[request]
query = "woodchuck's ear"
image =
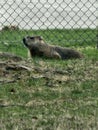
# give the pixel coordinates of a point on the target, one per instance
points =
(40, 37)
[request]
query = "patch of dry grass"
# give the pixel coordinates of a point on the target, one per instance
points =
(53, 95)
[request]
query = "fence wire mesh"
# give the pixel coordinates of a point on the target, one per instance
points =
(45, 94)
(41, 14)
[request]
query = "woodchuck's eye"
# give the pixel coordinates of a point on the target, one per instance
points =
(32, 38)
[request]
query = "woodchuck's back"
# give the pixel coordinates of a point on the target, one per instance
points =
(68, 53)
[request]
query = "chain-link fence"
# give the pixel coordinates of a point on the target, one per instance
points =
(41, 14)
(77, 20)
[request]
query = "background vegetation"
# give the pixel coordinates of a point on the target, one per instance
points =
(56, 94)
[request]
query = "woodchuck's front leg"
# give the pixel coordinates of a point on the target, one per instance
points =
(56, 55)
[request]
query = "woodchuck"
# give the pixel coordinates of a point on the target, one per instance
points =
(38, 47)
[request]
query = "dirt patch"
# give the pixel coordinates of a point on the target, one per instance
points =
(14, 68)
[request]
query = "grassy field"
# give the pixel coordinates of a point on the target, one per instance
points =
(55, 94)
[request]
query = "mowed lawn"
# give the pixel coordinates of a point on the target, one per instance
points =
(55, 94)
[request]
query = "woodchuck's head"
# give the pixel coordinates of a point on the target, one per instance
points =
(29, 41)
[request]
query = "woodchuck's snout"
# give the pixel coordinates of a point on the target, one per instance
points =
(24, 41)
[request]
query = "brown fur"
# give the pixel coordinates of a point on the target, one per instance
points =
(38, 47)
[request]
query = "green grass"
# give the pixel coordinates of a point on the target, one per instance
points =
(74, 38)
(66, 100)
